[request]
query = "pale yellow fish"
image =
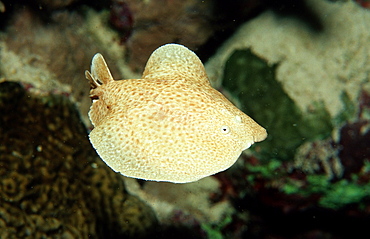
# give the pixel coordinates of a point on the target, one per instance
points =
(171, 125)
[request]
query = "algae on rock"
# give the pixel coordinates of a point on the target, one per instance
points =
(311, 66)
(254, 83)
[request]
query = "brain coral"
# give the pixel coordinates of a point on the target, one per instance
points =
(52, 184)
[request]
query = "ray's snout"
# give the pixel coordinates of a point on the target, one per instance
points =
(260, 135)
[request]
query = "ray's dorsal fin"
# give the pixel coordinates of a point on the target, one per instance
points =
(100, 73)
(172, 61)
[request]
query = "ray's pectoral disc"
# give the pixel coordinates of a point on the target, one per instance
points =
(171, 125)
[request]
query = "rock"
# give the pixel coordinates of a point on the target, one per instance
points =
(53, 57)
(156, 23)
(55, 4)
(310, 88)
(309, 62)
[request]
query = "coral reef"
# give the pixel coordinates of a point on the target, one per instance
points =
(309, 62)
(122, 19)
(319, 155)
(188, 200)
(309, 87)
(2, 7)
(29, 47)
(55, 4)
(269, 103)
(50, 58)
(184, 22)
(300, 69)
(286, 87)
(54, 56)
(51, 181)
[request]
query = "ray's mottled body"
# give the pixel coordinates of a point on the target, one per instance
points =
(171, 125)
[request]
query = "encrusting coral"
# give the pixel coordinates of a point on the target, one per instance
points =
(52, 184)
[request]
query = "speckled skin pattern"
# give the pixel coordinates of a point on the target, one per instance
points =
(171, 125)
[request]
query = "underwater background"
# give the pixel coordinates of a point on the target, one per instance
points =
(301, 69)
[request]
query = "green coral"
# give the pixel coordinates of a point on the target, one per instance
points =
(366, 168)
(315, 184)
(214, 231)
(348, 112)
(333, 195)
(253, 81)
(267, 170)
(343, 193)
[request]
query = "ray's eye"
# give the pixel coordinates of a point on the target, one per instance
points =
(225, 129)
